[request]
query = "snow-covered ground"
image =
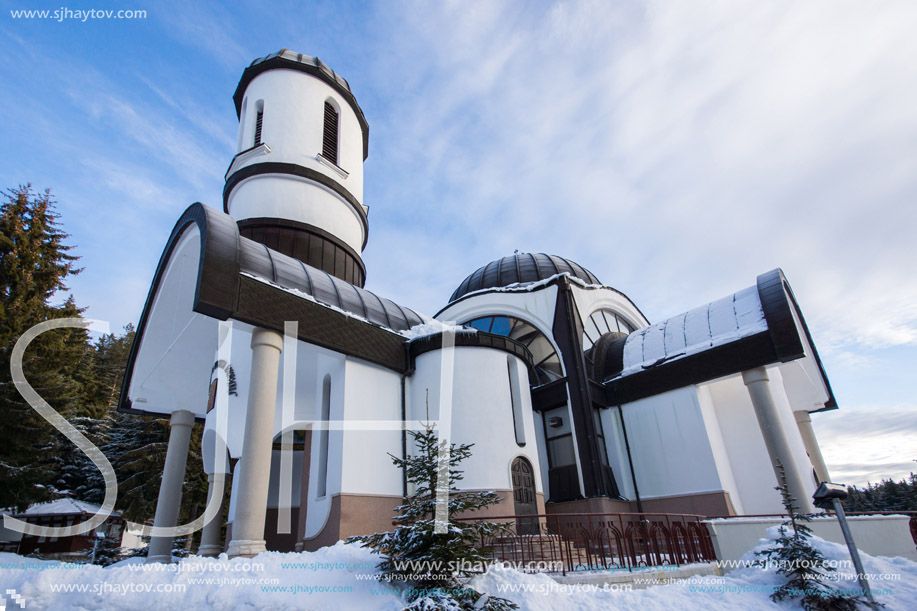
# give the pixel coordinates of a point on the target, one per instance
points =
(341, 577)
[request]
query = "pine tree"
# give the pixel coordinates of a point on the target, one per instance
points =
(433, 568)
(887, 495)
(95, 417)
(803, 565)
(106, 551)
(35, 264)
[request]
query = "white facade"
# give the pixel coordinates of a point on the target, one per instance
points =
(291, 107)
(566, 391)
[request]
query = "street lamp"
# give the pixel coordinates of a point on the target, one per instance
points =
(829, 496)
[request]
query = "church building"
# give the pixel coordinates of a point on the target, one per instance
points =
(257, 325)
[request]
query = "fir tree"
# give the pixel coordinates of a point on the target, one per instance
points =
(35, 264)
(887, 495)
(106, 551)
(802, 564)
(434, 568)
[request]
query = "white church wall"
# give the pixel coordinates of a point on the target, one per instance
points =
(298, 199)
(803, 387)
(293, 124)
(617, 452)
(718, 446)
(482, 413)
(332, 365)
(173, 370)
(589, 300)
(292, 128)
(371, 393)
(536, 307)
(541, 445)
(751, 466)
(669, 445)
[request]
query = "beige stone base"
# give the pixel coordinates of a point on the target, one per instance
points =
(356, 514)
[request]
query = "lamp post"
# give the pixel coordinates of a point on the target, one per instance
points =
(830, 496)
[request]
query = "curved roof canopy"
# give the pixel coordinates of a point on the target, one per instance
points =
(755, 327)
(229, 276)
(521, 268)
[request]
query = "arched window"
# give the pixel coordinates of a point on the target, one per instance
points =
(330, 134)
(601, 322)
(322, 486)
(547, 363)
(259, 121)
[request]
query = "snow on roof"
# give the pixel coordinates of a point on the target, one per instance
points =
(432, 327)
(524, 287)
(715, 324)
(64, 506)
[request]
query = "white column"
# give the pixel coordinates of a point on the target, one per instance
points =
(210, 536)
(173, 476)
(255, 463)
(804, 421)
(778, 447)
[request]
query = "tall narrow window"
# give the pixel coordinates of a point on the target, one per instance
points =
(330, 135)
(322, 487)
(259, 121)
(515, 393)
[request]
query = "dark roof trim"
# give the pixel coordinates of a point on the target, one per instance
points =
(747, 353)
(522, 289)
(289, 60)
(273, 223)
(467, 337)
(293, 169)
(782, 342)
(776, 299)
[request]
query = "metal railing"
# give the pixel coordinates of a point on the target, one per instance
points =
(568, 542)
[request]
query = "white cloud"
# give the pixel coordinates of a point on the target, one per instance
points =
(676, 149)
(868, 443)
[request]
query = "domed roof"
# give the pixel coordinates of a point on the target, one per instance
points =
(521, 268)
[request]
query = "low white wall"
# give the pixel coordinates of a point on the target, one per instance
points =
(875, 535)
(8, 535)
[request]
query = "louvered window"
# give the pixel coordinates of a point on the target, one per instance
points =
(259, 119)
(330, 135)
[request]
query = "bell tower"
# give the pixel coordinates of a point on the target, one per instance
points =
(296, 181)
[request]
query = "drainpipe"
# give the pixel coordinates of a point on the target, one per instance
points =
(408, 371)
(404, 438)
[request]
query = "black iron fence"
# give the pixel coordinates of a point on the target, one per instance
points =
(568, 542)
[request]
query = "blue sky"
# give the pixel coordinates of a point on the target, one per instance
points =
(677, 150)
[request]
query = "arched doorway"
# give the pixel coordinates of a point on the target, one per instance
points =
(524, 503)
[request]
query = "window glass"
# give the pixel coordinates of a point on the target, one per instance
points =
(547, 362)
(481, 324)
(560, 452)
(501, 326)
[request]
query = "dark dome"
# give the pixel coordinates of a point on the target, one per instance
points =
(521, 268)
